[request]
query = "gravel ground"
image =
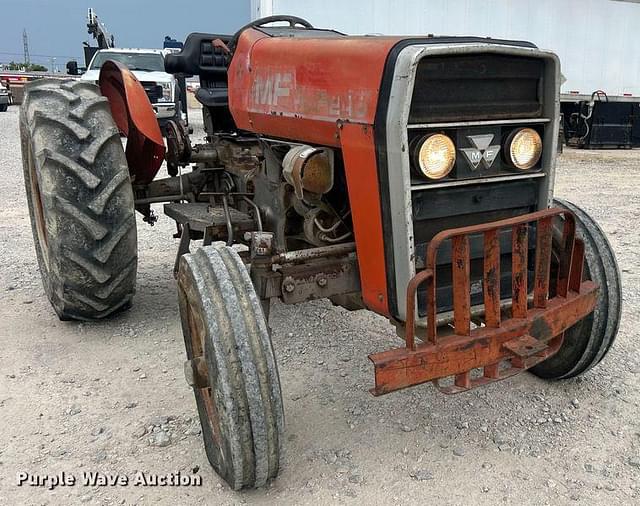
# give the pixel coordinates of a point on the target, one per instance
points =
(111, 397)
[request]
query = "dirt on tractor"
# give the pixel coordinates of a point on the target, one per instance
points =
(110, 396)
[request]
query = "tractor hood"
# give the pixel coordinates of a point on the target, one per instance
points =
(304, 84)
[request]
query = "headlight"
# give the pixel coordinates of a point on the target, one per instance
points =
(435, 156)
(523, 148)
(167, 92)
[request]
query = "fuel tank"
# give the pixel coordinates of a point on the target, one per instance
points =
(302, 85)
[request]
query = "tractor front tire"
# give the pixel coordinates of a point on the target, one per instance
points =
(588, 341)
(80, 199)
(231, 367)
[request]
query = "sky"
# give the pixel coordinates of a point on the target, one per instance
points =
(57, 28)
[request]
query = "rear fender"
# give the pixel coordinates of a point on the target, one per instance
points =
(135, 118)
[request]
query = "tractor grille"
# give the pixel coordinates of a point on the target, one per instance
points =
(473, 88)
(434, 210)
(476, 87)
(153, 91)
(477, 98)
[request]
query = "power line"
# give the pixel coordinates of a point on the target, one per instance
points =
(40, 55)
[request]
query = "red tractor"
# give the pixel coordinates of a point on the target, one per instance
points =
(409, 176)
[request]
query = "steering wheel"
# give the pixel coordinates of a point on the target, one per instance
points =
(292, 20)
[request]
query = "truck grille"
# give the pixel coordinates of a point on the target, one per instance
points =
(476, 87)
(153, 91)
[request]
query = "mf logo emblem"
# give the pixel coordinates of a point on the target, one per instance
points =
(482, 151)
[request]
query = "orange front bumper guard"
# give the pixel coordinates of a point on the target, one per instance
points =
(500, 348)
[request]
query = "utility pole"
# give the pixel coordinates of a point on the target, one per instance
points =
(25, 42)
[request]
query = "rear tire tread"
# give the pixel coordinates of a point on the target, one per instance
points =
(68, 129)
(74, 168)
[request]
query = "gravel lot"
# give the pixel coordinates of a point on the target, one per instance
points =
(111, 397)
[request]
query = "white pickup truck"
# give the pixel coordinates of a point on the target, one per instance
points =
(5, 98)
(148, 67)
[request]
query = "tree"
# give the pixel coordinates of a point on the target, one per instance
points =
(31, 67)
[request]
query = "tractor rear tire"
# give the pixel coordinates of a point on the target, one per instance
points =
(588, 341)
(80, 199)
(230, 355)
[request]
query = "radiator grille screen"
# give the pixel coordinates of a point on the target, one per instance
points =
(476, 87)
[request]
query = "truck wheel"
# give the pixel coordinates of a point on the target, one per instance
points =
(4, 107)
(80, 199)
(588, 341)
(231, 367)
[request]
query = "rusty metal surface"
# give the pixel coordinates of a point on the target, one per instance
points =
(520, 241)
(260, 244)
(525, 346)
(401, 368)
(461, 282)
(315, 280)
(243, 159)
(135, 118)
(499, 347)
(544, 242)
(305, 255)
(491, 285)
(318, 278)
(577, 266)
(436, 242)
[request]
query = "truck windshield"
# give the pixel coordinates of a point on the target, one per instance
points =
(135, 61)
